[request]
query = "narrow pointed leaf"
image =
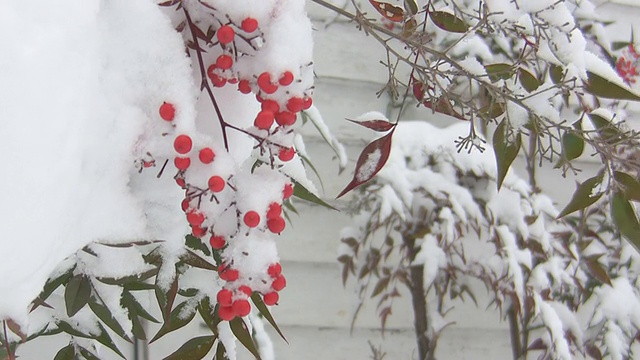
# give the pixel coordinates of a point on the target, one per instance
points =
(499, 71)
(66, 353)
(301, 192)
(411, 6)
(104, 314)
(53, 284)
(448, 22)
(630, 185)
(505, 149)
(180, 316)
(130, 303)
(606, 129)
(239, 329)
(194, 260)
(166, 297)
(599, 86)
(88, 355)
(194, 349)
(596, 270)
(625, 219)
(77, 293)
(586, 194)
(221, 352)
(371, 160)
(264, 310)
(527, 80)
(194, 243)
(106, 340)
(208, 314)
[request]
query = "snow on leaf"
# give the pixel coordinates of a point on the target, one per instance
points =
(505, 150)
(371, 160)
(584, 195)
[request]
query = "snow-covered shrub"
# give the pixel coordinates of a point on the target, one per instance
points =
(433, 220)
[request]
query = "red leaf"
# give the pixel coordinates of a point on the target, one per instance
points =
(376, 125)
(371, 160)
(393, 13)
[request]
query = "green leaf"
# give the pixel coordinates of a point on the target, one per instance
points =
(241, 332)
(448, 22)
(625, 219)
(106, 340)
(66, 353)
(129, 301)
(197, 244)
(556, 74)
(492, 111)
(606, 129)
(505, 150)
(87, 354)
(194, 349)
(528, 81)
(301, 192)
(166, 298)
(604, 88)
(194, 260)
(411, 7)
(77, 293)
(583, 196)
(629, 185)
(264, 310)
(572, 145)
(221, 352)
(137, 278)
(104, 314)
(180, 317)
(499, 71)
(53, 284)
(208, 314)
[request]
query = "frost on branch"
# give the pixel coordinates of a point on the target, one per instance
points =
(432, 220)
(158, 156)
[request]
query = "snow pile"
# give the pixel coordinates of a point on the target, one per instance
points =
(80, 90)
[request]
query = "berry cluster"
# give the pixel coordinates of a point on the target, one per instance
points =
(236, 209)
(628, 64)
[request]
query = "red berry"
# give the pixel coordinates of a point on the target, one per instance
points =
(225, 34)
(180, 181)
(285, 118)
(307, 103)
(249, 25)
(270, 105)
(224, 62)
(198, 231)
(251, 219)
(195, 218)
(244, 86)
(217, 81)
(182, 144)
(246, 290)
(217, 242)
(264, 120)
(286, 154)
(274, 210)
(211, 71)
(264, 82)
(182, 163)
(274, 270)
(276, 225)
(233, 81)
(259, 98)
(206, 155)
(216, 183)
(167, 111)
(279, 283)
(224, 297)
(295, 104)
(227, 274)
(226, 313)
(287, 192)
(271, 298)
(286, 78)
(241, 307)
(186, 203)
